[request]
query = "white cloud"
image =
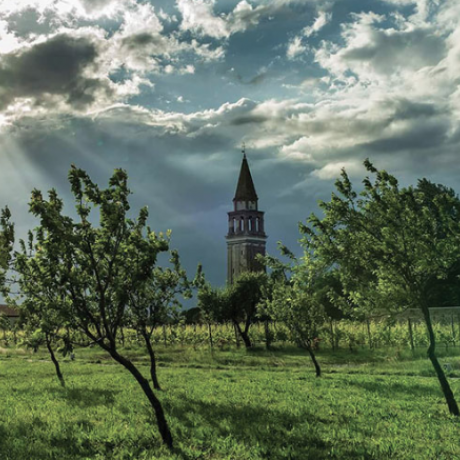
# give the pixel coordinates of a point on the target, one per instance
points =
(8, 40)
(373, 52)
(198, 16)
(65, 11)
(323, 18)
(353, 168)
(295, 48)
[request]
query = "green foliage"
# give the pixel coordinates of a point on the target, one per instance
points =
(5, 324)
(390, 243)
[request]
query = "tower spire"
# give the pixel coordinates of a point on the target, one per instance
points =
(245, 190)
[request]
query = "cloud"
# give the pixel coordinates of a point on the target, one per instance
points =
(322, 19)
(199, 17)
(57, 67)
(371, 51)
(295, 48)
(332, 170)
(64, 11)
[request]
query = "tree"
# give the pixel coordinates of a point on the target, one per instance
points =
(237, 303)
(85, 265)
(38, 302)
(295, 296)
(390, 245)
(151, 301)
(243, 298)
(211, 302)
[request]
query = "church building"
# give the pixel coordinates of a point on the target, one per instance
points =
(246, 235)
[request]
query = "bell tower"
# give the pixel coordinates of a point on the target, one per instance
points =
(246, 235)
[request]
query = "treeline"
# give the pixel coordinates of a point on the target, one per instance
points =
(86, 280)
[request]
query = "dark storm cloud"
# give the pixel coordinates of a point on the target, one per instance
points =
(421, 136)
(54, 67)
(157, 44)
(387, 49)
(245, 120)
(142, 39)
(406, 110)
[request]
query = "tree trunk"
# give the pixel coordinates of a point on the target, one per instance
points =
(55, 361)
(450, 399)
(411, 335)
(268, 338)
(237, 335)
(313, 358)
(244, 335)
(369, 336)
(210, 335)
(153, 362)
(154, 401)
(331, 325)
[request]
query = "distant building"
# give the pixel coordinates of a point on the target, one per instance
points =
(246, 234)
(11, 313)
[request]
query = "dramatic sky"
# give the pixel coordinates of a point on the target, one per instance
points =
(169, 90)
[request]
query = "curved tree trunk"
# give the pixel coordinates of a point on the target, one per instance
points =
(313, 358)
(55, 361)
(447, 391)
(154, 401)
(244, 335)
(153, 363)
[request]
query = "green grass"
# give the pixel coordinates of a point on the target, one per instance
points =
(232, 405)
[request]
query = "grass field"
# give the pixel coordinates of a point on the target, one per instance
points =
(232, 405)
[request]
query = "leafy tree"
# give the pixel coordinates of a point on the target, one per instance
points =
(151, 301)
(211, 303)
(39, 302)
(241, 301)
(390, 244)
(237, 303)
(296, 295)
(85, 265)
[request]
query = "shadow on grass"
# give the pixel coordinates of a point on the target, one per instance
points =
(261, 432)
(86, 397)
(388, 389)
(80, 397)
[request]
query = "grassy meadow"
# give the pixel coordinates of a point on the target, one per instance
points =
(231, 404)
